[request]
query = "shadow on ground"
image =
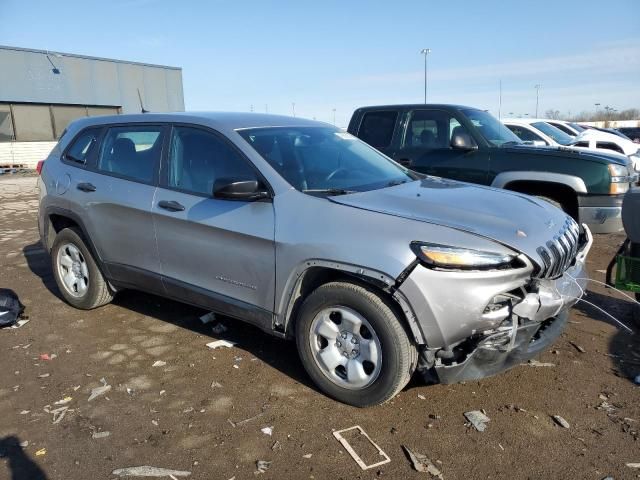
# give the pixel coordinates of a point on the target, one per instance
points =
(624, 347)
(21, 467)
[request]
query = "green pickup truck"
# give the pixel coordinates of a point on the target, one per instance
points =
(471, 145)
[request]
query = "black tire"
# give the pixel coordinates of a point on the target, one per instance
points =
(398, 353)
(553, 202)
(98, 292)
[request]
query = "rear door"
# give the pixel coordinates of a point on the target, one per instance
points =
(426, 148)
(115, 195)
(216, 253)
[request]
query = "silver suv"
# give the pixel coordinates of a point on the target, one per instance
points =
(310, 234)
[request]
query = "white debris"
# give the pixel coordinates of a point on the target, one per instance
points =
(20, 323)
(208, 317)
(64, 401)
(96, 392)
(215, 384)
(633, 465)
(97, 435)
(220, 343)
(308, 455)
(561, 421)
(262, 466)
(267, 430)
(478, 419)
(24, 444)
(219, 329)
(147, 471)
(159, 363)
(421, 397)
(535, 363)
(422, 464)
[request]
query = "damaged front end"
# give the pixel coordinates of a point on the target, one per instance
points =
(506, 319)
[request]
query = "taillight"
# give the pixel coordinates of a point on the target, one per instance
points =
(39, 166)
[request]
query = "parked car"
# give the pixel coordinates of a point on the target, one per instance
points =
(602, 140)
(310, 234)
(538, 132)
(632, 133)
(468, 144)
(570, 128)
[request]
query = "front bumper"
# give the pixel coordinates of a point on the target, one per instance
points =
(467, 337)
(602, 213)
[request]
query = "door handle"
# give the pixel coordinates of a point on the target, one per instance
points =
(171, 205)
(86, 187)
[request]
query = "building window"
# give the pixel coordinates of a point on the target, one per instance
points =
(63, 116)
(32, 123)
(6, 125)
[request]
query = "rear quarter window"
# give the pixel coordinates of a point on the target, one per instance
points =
(82, 147)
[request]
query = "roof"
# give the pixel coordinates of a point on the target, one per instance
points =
(225, 120)
(447, 106)
(85, 57)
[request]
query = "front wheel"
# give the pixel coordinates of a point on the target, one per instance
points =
(353, 345)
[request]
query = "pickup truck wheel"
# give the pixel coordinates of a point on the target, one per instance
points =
(78, 277)
(352, 344)
(553, 202)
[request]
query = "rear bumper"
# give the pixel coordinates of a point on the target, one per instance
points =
(602, 213)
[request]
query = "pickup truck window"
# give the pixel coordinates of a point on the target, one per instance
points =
(490, 128)
(377, 128)
(430, 129)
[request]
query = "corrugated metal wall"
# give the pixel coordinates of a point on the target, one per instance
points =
(28, 76)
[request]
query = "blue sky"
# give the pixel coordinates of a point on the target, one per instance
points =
(327, 55)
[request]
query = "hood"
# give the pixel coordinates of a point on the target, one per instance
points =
(568, 152)
(518, 221)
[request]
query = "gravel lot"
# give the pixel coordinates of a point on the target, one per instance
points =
(187, 413)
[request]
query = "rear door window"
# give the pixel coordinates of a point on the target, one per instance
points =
(377, 128)
(132, 152)
(609, 146)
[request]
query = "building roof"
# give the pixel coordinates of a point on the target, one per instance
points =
(85, 57)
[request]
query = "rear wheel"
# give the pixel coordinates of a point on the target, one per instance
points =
(353, 345)
(76, 273)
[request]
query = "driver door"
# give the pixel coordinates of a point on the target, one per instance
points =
(426, 148)
(219, 254)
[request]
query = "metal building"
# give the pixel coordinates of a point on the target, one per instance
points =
(41, 92)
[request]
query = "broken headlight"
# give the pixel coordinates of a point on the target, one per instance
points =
(444, 256)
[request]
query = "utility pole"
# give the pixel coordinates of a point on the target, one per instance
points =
(425, 52)
(334, 117)
(537, 87)
(266, 108)
(293, 108)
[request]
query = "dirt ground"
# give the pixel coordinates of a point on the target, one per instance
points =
(203, 410)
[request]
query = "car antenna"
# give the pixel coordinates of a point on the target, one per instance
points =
(141, 104)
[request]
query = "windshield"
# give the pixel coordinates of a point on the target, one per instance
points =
(324, 159)
(577, 127)
(558, 135)
(491, 129)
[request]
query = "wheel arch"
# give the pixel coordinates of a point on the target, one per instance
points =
(314, 273)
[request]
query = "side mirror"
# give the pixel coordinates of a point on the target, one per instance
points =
(463, 141)
(247, 190)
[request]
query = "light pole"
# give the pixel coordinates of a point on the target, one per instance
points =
(334, 117)
(537, 87)
(425, 52)
(293, 108)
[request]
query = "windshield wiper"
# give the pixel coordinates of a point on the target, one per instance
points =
(329, 191)
(393, 183)
(511, 142)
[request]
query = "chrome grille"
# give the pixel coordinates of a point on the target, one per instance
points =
(559, 253)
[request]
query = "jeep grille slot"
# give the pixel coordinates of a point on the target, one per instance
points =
(560, 252)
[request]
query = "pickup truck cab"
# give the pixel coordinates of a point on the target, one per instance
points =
(470, 145)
